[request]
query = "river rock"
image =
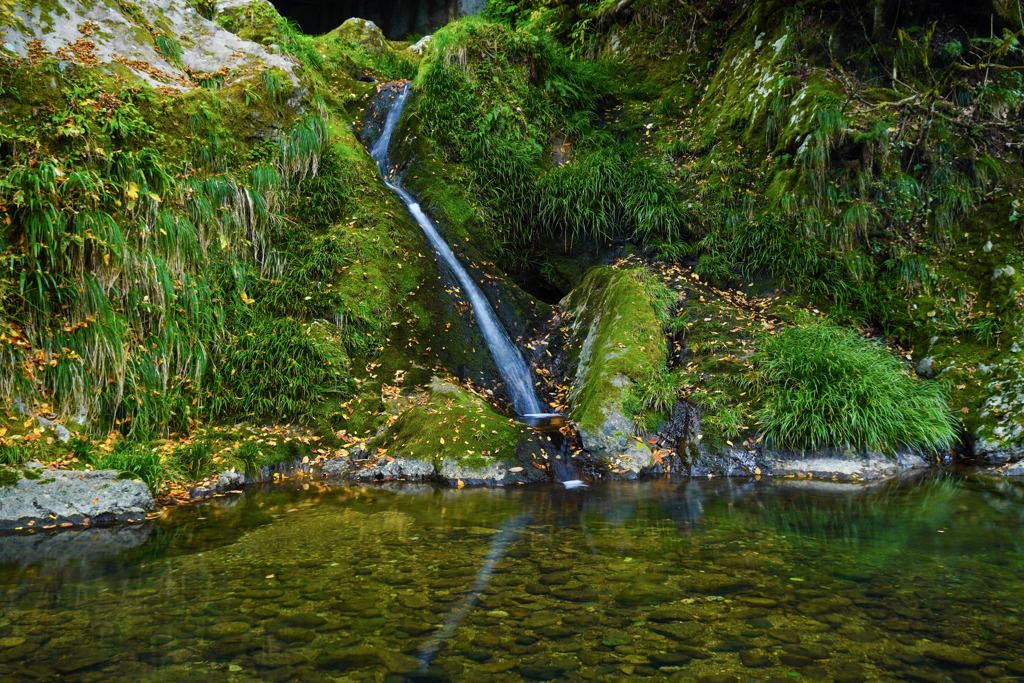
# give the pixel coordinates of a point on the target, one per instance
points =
(754, 658)
(277, 660)
(714, 584)
(809, 650)
(660, 659)
(43, 497)
(786, 635)
(645, 594)
(956, 656)
(396, 468)
(681, 631)
(355, 657)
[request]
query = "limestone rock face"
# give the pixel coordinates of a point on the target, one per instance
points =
(107, 34)
(41, 497)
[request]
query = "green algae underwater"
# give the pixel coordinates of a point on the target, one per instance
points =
(699, 580)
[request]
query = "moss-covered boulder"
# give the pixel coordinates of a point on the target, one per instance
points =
(451, 436)
(616, 340)
(362, 32)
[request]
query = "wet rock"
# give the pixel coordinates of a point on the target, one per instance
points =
(924, 675)
(398, 663)
(396, 469)
(672, 613)
(954, 656)
(486, 642)
(477, 655)
(303, 620)
(714, 584)
(757, 601)
(356, 657)
(849, 672)
(292, 634)
(546, 668)
(645, 594)
(809, 650)
(225, 629)
(754, 659)
(541, 619)
(681, 631)
(277, 660)
(227, 648)
(785, 635)
(660, 659)
(616, 639)
(582, 594)
(732, 644)
(556, 579)
(789, 659)
(415, 628)
(80, 660)
(554, 632)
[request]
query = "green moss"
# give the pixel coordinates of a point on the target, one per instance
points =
(452, 424)
(616, 336)
(9, 476)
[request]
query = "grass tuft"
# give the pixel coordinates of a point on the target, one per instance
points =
(827, 386)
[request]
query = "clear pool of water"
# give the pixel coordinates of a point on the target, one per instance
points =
(706, 580)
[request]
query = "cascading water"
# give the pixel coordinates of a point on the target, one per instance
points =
(506, 356)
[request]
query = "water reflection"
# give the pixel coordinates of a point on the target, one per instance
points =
(667, 580)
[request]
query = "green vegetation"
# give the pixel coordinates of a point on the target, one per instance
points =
(827, 386)
(614, 339)
(513, 109)
(450, 423)
(173, 261)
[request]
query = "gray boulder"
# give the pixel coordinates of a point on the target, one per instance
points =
(397, 468)
(36, 497)
(840, 464)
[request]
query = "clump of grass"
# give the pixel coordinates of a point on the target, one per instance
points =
(137, 460)
(273, 369)
(824, 385)
(252, 458)
(11, 454)
(169, 48)
(193, 459)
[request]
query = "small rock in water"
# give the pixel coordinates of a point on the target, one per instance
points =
(956, 656)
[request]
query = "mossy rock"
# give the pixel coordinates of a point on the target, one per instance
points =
(462, 437)
(364, 33)
(616, 340)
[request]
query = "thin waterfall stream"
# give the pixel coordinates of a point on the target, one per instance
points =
(507, 358)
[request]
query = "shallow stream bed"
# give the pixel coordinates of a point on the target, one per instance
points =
(708, 580)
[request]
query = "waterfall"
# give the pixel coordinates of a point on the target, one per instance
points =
(506, 356)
